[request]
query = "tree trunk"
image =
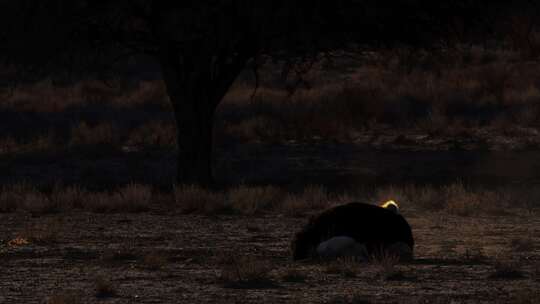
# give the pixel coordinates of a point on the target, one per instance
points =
(194, 114)
(196, 82)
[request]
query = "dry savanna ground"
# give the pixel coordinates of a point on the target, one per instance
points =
(137, 245)
(88, 214)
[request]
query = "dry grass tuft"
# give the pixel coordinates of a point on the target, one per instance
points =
(98, 202)
(68, 198)
(195, 199)
(456, 199)
(466, 202)
(346, 267)
(386, 263)
(426, 198)
(313, 198)
(252, 200)
(132, 198)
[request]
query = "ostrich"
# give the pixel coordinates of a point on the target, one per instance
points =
(355, 228)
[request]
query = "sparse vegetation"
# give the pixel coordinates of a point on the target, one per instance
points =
(452, 199)
(386, 262)
(194, 199)
(252, 200)
(312, 198)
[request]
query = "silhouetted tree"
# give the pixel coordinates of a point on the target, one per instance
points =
(203, 45)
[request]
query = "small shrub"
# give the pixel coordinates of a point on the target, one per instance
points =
(132, 198)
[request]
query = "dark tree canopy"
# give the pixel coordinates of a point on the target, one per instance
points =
(202, 45)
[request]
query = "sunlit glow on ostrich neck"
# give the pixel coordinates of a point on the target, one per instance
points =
(391, 205)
